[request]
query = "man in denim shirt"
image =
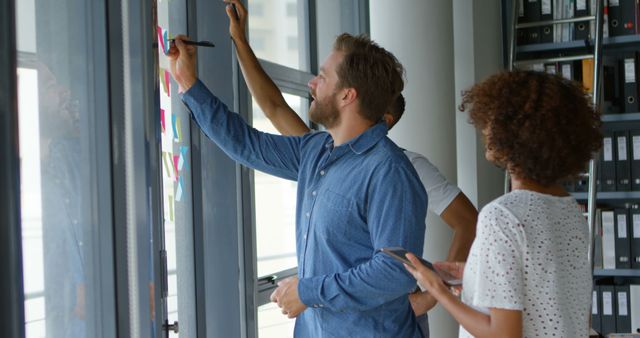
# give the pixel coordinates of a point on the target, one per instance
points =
(357, 191)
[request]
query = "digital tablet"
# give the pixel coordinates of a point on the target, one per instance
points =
(400, 255)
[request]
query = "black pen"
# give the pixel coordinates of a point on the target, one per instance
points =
(195, 43)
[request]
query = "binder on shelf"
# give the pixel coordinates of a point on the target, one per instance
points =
(622, 244)
(546, 14)
(597, 247)
(634, 302)
(587, 75)
(608, 240)
(582, 30)
(622, 17)
(623, 162)
(623, 319)
(550, 68)
(611, 92)
(567, 13)
(521, 34)
(567, 70)
(629, 76)
(635, 236)
(634, 140)
(532, 13)
(582, 183)
(607, 171)
(608, 316)
(596, 308)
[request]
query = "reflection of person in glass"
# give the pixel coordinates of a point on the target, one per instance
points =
(62, 205)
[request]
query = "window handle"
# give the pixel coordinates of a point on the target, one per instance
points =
(267, 280)
(171, 327)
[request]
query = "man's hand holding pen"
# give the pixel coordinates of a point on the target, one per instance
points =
(182, 60)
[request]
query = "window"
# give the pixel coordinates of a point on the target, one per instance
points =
(279, 26)
(63, 127)
(292, 9)
(175, 135)
(281, 38)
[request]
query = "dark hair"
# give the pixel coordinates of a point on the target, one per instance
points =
(374, 72)
(538, 126)
(397, 109)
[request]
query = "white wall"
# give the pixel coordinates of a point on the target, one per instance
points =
(445, 46)
(478, 54)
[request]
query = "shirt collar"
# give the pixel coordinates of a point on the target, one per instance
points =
(368, 139)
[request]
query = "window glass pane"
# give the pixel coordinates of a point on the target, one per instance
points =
(334, 17)
(272, 323)
(176, 179)
(67, 272)
(275, 203)
(277, 33)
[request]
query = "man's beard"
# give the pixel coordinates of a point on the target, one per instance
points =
(325, 112)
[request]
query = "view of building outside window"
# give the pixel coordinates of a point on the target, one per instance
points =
(276, 34)
(57, 108)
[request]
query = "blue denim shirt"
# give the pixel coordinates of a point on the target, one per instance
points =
(353, 199)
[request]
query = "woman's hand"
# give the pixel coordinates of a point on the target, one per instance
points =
(427, 279)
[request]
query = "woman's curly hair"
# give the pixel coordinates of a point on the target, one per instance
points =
(538, 126)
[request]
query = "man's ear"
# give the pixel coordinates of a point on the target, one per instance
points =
(348, 96)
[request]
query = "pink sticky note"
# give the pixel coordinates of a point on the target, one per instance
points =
(167, 83)
(162, 120)
(176, 159)
(160, 38)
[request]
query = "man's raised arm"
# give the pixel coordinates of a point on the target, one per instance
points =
(262, 88)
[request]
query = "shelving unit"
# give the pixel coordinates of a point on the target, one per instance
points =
(600, 49)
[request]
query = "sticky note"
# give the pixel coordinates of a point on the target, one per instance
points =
(176, 158)
(184, 150)
(179, 190)
(167, 169)
(167, 83)
(171, 208)
(162, 120)
(175, 121)
(160, 38)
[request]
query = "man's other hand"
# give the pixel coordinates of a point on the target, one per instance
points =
(286, 295)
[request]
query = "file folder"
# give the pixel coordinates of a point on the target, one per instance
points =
(608, 316)
(634, 295)
(635, 236)
(608, 240)
(567, 70)
(582, 28)
(622, 244)
(629, 76)
(611, 91)
(546, 14)
(623, 319)
(622, 17)
(623, 162)
(607, 171)
(597, 248)
(596, 309)
(634, 141)
(532, 13)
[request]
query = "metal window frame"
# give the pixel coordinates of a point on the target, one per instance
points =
(135, 166)
(11, 281)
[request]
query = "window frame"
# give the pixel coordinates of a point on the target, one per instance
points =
(11, 281)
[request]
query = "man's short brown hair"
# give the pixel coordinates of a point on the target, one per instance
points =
(374, 72)
(540, 127)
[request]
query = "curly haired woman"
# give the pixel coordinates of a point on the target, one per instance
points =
(527, 274)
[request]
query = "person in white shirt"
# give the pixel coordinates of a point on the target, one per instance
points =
(444, 198)
(527, 274)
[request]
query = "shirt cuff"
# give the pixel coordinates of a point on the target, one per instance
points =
(309, 291)
(196, 95)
